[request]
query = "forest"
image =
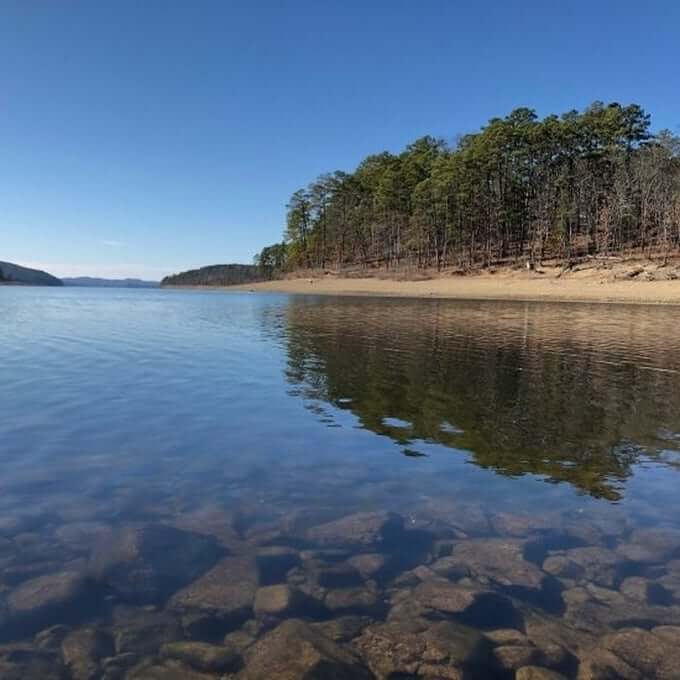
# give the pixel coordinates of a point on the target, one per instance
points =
(218, 275)
(522, 190)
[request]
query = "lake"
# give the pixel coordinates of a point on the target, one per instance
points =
(206, 484)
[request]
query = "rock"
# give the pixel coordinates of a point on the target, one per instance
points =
(295, 650)
(168, 670)
(443, 650)
(549, 633)
(51, 638)
(361, 600)
(644, 591)
(273, 563)
(45, 600)
(369, 565)
(325, 557)
(203, 656)
(651, 655)
(148, 564)
(513, 657)
(537, 673)
(501, 561)
(19, 661)
(670, 579)
(560, 566)
(116, 667)
(450, 567)
(446, 597)
(471, 518)
(601, 664)
(141, 632)
(595, 564)
(361, 530)
(507, 636)
(219, 600)
(343, 628)
(517, 525)
(474, 606)
(651, 545)
(83, 536)
(668, 633)
(83, 651)
(240, 639)
(278, 601)
(593, 608)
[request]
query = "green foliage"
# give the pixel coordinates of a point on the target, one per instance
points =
(218, 275)
(522, 188)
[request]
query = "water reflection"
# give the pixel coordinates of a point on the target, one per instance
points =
(574, 392)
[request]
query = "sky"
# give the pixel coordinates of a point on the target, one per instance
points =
(145, 138)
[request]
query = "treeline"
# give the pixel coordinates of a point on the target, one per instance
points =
(522, 189)
(218, 275)
(14, 273)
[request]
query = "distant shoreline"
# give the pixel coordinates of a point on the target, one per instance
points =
(590, 285)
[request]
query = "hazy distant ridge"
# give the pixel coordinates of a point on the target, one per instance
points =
(14, 273)
(219, 275)
(108, 283)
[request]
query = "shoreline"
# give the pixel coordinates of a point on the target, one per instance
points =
(585, 286)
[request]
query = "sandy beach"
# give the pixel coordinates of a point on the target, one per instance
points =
(653, 285)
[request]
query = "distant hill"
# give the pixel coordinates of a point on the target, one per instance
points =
(94, 282)
(13, 273)
(218, 275)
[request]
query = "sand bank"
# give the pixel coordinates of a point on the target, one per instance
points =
(590, 285)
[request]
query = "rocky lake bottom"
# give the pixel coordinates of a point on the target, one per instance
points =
(257, 487)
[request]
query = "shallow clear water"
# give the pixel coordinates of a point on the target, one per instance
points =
(548, 433)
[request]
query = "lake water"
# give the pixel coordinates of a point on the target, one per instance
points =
(436, 489)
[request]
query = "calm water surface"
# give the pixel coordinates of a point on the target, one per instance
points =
(168, 457)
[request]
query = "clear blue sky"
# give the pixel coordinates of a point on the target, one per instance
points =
(140, 138)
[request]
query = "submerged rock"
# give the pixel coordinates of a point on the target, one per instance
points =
(407, 649)
(601, 664)
(343, 628)
(203, 657)
(360, 530)
(52, 637)
(83, 651)
(595, 609)
(369, 565)
(513, 657)
(651, 545)
(360, 600)
(142, 632)
(537, 673)
(500, 561)
(470, 518)
(20, 661)
(296, 650)
(148, 564)
(652, 655)
(116, 667)
(83, 536)
(278, 601)
(595, 564)
(220, 599)
(45, 600)
(515, 524)
(167, 670)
